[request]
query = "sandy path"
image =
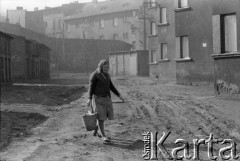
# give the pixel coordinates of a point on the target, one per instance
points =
(188, 112)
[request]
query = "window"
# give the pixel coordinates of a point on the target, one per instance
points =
(59, 24)
(84, 20)
(125, 4)
(101, 24)
(182, 46)
(182, 3)
(228, 33)
(54, 27)
(77, 25)
(163, 54)
(124, 18)
(134, 29)
(115, 36)
(134, 43)
(152, 54)
(115, 22)
(67, 28)
(101, 37)
(152, 3)
(91, 23)
(103, 8)
(125, 35)
(162, 15)
(153, 28)
(84, 35)
(134, 13)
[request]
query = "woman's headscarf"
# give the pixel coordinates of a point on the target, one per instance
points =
(101, 64)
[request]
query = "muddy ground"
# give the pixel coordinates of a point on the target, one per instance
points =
(189, 112)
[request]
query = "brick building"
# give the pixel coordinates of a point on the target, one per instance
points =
(226, 46)
(193, 31)
(180, 40)
(110, 20)
(161, 38)
(64, 52)
(17, 16)
(53, 18)
(38, 60)
(195, 41)
(22, 59)
(5, 58)
(47, 21)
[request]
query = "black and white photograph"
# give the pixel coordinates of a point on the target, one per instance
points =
(119, 80)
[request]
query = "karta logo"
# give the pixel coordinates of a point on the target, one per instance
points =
(153, 146)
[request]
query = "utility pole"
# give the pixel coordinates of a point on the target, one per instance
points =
(145, 4)
(144, 25)
(63, 44)
(144, 28)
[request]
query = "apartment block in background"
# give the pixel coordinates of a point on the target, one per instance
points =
(110, 20)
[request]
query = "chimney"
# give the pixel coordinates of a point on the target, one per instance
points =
(36, 9)
(19, 8)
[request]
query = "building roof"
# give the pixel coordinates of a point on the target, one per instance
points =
(105, 7)
(66, 9)
(5, 34)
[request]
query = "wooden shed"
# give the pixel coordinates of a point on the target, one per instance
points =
(129, 63)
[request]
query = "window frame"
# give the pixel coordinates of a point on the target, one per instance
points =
(115, 22)
(162, 55)
(152, 3)
(124, 18)
(91, 23)
(102, 23)
(223, 33)
(153, 30)
(161, 15)
(134, 45)
(115, 36)
(180, 3)
(180, 45)
(152, 56)
(77, 25)
(134, 13)
(101, 37)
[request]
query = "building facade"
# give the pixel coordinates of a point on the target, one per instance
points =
(5, 59)
(17, 16)
(38, 61)
(110, 20)
(196, 41)
(226, 46)
(180, 40)
(48, 21)
(22, 59)
(160, 24)
(193, 31)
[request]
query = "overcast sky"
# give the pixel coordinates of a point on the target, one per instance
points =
(31, 4)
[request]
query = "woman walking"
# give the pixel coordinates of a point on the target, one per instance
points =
(100, 85)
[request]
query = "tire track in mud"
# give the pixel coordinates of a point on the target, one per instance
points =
(192, 117)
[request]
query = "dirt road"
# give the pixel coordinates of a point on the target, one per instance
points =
(188, 112)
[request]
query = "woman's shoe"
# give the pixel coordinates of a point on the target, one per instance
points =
(105, 139)
(95, 133)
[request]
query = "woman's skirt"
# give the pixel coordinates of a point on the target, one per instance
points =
(103, 107)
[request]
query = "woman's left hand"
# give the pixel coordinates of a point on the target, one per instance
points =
(121, 98)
